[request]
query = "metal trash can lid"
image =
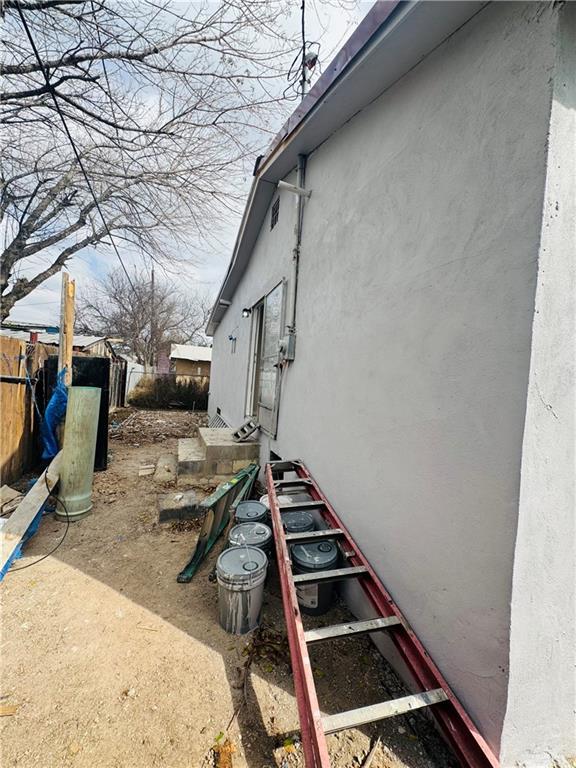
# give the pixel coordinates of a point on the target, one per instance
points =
(297, 522)
(316, 556)
(250, 512)
(241, 565)
(250, 534)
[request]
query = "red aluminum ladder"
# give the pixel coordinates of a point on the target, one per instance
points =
(458, 729)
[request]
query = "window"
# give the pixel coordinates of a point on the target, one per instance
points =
(275, 213)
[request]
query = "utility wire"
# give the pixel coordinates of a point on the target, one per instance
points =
(58, 500)
(52, 91)
(303, 29)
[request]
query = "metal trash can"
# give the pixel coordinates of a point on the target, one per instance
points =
(251, 535)
(240, 572)
(297, 522)
(314, 599)
(251, 512)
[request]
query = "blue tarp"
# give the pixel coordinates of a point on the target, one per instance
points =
(53, 415)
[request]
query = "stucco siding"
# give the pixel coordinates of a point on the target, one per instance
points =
(418, 271)
(270, 263)
(542, 691)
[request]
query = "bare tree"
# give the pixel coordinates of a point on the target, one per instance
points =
(147, 315)
(164, 101)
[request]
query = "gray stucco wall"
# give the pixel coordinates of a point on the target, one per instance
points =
(542, 690)
(270, 263)
(418, 271)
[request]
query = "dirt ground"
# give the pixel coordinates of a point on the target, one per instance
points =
(108, 662)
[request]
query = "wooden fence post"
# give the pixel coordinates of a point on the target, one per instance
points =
(66, 327)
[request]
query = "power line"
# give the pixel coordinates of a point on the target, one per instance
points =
(52, 91)
(303, 65)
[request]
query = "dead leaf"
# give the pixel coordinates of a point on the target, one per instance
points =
(223, 754)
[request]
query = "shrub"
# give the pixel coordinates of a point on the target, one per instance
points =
(171, 391)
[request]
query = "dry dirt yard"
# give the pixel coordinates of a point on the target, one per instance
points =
(108, 662)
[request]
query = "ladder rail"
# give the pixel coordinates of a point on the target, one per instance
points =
(459, 729)
(468, 744)
(313, 739)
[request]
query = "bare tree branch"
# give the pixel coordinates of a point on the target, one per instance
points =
(111, 310)
(165, 103)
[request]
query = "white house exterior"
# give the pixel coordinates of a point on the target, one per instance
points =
(431, 390)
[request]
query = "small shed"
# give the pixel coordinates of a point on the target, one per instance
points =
(191, 360)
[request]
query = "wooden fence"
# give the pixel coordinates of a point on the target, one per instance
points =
(19, 363)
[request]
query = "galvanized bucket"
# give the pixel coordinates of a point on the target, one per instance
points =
(297, 522)
(251, 535)
(251, 512)
(314, 599)
(240, 572)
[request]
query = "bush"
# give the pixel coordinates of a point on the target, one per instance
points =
(170, 391)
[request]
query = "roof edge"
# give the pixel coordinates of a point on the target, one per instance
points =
(411, 30)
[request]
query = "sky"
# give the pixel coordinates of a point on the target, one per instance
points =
(329, 21)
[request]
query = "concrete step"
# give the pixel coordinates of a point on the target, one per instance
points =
(220, 446)
(193, 458)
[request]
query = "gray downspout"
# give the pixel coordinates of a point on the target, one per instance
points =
(290, 350)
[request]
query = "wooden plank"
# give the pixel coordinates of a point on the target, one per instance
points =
(8, 499)
(19, 521)
(337, 574)
(356, 717)
(66, 327)
(351, 629)
(15, 411)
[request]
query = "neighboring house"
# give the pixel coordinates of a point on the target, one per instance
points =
(191, 360)
(424, 367)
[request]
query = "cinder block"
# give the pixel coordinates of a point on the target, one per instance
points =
(224, 467)
(238, 465)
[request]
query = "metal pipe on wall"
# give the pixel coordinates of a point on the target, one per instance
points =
(291, 326)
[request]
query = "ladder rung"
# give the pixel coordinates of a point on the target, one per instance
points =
(351, 629)
(356, 717)
(337, 574)
(284, 466)
(291, 483)
(311, 536)
(295, 506)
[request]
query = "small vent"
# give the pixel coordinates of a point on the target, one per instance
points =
(217, 422)
(275, 213)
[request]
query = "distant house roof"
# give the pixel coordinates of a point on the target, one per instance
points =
(190, 352)
(391, 39)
